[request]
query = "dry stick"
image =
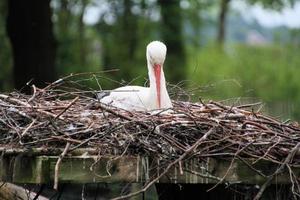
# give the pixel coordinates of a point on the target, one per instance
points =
(180, 168)
(68, 106)
(35, 107)
(113, 112)
(34, 93)
(268, 150)
(251, 167)
(203, 175)
(292, 177)
(14, 100)
(56, 172)
(26, 130)
(66, 139)
(78, 74)
(189, 150)
(84, 141)
(8, 98)
(286, 161)
(228, 169)
(249, 105)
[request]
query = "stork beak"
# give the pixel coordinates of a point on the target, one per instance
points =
(157, 74)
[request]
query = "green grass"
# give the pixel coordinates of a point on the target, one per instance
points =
(269, 73)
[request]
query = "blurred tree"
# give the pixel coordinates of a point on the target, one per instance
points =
(225, 5)
(78, 43)
(171, 31)
(129, 24)
(81, 32)
(196, 15)
(118, 27)
(65, 31)
(29, 28)
(191, 17)
(222, 21)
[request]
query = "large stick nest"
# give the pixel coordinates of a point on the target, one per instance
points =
(58, 114)
(53, 116)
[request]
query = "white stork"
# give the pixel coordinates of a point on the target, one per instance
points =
(145, 98)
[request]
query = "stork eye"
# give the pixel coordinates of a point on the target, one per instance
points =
(151, 58)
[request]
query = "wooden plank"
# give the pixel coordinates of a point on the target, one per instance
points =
(24, 169)
(92, 169)
(213, 170)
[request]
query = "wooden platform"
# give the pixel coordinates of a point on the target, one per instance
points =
(33, 167)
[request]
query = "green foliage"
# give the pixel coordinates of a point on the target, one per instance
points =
(270, 73)
(78, 45)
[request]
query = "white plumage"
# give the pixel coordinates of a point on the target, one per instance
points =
(145, 98)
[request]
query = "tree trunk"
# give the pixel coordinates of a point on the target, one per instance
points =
(29, 28)
(81, 32)
(129, 39)
(222, 21)
(171, 32)
(130, 29)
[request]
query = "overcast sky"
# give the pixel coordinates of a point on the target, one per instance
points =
(266, 17)
(270, 18)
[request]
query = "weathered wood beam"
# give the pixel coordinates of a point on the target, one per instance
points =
(92, 169)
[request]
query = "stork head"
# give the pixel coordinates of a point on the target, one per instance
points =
(156, 54)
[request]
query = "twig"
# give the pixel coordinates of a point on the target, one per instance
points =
(113, 112)
(249, 105)
(56, 172)
(251, 167)
(61, 80)
(28, 127)
(66, 139)
(39, 192)
(206, 175)
(230, 166)
(68, 106)
(180, 168)
(292, 177)
(33, 95)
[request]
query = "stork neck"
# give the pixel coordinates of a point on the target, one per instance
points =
(158, 92)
